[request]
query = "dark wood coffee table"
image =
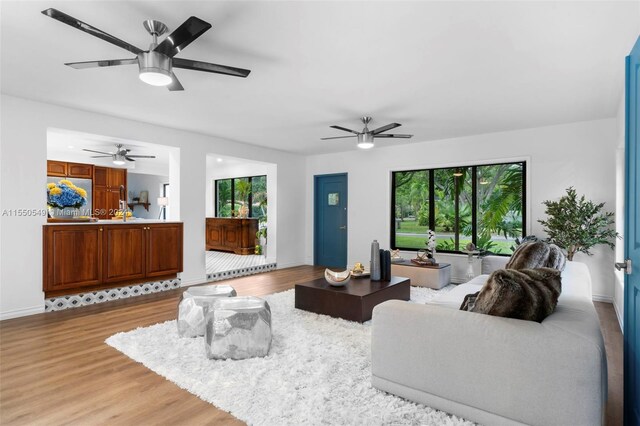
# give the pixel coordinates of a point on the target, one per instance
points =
(353, 302)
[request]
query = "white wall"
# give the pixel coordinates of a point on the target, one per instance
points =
(137, 182)
(579, 155)
(618, 290)
(23, 175)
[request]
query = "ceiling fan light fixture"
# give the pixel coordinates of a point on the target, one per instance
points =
(365, 141)
(119, 162)
(155, 68)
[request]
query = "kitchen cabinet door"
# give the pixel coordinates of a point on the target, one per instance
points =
(99, 176)
(100, 209)
(116, 177)
(124, 252)
(72, 257)
(79, 170)
(164, 249)
(56, 168)
(214, 235)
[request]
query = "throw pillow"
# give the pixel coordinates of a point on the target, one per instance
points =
(528, 294)
(537, 254)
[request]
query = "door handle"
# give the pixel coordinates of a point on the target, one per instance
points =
(626, 265)
(343, 227)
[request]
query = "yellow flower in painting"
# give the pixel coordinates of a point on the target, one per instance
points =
(51, 185)
(55, 191)
(67, 182)
(81, 192)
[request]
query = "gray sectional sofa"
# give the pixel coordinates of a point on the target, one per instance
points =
(493, 370)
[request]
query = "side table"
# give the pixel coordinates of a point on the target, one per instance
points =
(432, 276)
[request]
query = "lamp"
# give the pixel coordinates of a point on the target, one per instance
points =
(155, 68)
(457, 173)
(163, 202)
(365, 140)
(118, 160)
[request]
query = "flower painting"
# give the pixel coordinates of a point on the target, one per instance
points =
(65, 194)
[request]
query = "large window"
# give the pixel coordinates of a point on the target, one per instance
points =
(233, 193)
(483, 204)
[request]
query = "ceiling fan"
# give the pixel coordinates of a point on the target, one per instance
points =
(119, 156)
(156, 64)
(366, 136)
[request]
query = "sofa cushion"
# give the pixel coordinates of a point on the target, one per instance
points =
(528, 294)
(537, 254)
(453, 298)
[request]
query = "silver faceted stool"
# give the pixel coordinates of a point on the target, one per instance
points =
(193, 307)
(238, 328)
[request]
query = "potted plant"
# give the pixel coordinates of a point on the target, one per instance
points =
(64, 199)
(577, 224)
(243, 188)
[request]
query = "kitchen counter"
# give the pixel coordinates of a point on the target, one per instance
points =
(114, 222)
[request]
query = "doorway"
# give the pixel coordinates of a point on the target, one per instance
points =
(330, 220)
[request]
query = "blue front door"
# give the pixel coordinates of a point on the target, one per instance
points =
(330, 220)
(632, 243)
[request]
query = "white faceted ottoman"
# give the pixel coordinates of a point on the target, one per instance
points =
(193, 307)
(238, 328)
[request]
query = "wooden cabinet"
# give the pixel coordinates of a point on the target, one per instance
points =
(70, 170)
(116, 177)
(80, 258)
(72, 257)
(106, 190)
(230, 234)
(164, 249)
(56, 168)
(100, 176)
(124, 252)
(79, 170)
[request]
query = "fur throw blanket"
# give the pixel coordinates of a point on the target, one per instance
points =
(537, 254)
(527, 294)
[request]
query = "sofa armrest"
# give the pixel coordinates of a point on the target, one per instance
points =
(521, 370)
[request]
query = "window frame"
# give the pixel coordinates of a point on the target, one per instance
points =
(233, 192)
(474, 201)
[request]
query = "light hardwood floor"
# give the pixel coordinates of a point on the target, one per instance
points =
(56, 369)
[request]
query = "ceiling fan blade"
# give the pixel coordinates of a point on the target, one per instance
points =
(141, 156)
(385, 128)
(175, 84)
(337, 137)
(129, 159)
(83, 26)
(100, 156)
(99, 152)
(186, 33)
(190, 64)
(393, 136)
(345, 129)
(102, 63)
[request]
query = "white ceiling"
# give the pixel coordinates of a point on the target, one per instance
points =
(65, 145)
(442, 69)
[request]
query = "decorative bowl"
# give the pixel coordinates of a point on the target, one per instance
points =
(337, 279)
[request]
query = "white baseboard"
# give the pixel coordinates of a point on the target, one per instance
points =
(620, 319)
(601, 298)
(288, 265)
(193, 281)
(16, 313)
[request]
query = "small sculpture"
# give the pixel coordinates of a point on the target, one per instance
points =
(431, 245)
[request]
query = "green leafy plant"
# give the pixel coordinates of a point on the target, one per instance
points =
(577, 224)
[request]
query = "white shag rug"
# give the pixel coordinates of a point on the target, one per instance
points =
(318, 371)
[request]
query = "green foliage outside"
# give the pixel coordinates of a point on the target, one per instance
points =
(577, 224)
(499, 209)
